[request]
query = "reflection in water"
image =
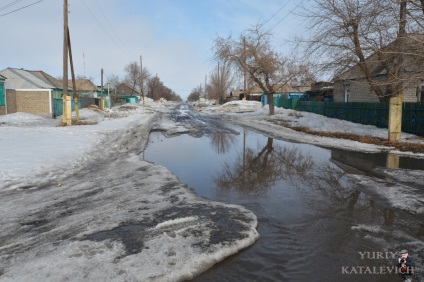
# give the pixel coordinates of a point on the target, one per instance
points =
(221, 141)
(364, 163)
(311, 217)
(392, 161)
(256, 170)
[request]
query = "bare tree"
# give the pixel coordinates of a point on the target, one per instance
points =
(252, 52)
(132, 74)
(114, 81)
(142, 81)
(220, 81)
(369, 34)
(154, 85)
(156, 90)
(196, 93)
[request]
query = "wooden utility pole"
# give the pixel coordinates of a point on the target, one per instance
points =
(74, 87)
(102, 101)
(206, 77)
(108, 94)
(142, 80)
(395, 106)
(67, 109)
(244, 68)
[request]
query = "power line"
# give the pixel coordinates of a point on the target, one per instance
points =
(105, 30)
(276, 13)
(10, 5)
(288, 14)
(111, 27)
(21, 8)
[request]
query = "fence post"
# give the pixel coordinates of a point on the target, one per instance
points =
(395, 118)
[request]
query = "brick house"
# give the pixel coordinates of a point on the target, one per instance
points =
(352, 85)
(30, 92)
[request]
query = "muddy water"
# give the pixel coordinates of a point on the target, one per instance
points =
(315, 224)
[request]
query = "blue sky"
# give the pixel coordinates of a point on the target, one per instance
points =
(174, 37)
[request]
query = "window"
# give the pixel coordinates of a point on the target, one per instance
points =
(346, 89)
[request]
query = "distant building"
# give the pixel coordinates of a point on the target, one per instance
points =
(125, 93)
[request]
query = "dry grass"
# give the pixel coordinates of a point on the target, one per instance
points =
(401, 146)
(79, 122)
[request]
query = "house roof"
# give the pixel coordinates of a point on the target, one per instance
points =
(413, 59)
(284, 88)
(47, 78)
(84, 85)
(25, 79)
(129, 87)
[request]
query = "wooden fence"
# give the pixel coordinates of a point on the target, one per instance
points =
(365, 113)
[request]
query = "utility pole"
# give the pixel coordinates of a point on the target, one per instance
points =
(83, 59)
(244, 68)
(74, 87)
(108, 94)
(142, 80)
(206, 77)
(395, 106)
(67, 109)
(102, 101)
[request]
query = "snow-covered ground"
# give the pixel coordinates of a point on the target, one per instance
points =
(55, 227)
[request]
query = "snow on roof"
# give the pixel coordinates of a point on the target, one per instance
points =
(24, 79)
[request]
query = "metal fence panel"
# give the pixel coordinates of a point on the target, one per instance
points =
(368, 113)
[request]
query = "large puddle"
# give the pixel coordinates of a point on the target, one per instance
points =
(314, 223)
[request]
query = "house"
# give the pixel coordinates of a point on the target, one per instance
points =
(321, 91)
(84, 88)
(352, 85)
(30, 92)
(235, 95)
(88, 93)
(283, 91)
(125, 93)
(2, 96)
(255, 93)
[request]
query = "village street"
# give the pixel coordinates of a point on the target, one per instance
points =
(113, 210)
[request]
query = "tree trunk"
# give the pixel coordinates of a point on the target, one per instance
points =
(271, 103)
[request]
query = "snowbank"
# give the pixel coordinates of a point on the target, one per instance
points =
(79, 203)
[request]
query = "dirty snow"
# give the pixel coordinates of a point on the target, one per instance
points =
(58, 223)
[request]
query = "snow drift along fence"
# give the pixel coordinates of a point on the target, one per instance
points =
(367, 113)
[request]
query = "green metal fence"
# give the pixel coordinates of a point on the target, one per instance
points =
(58, 107)
(2, 95)
(366, 113)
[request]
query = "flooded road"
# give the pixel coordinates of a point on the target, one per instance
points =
(316, 221)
